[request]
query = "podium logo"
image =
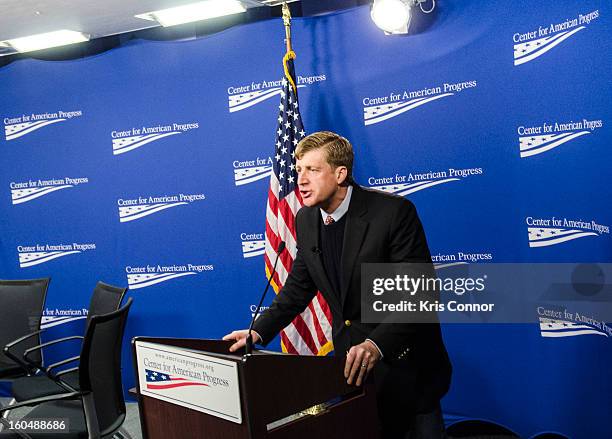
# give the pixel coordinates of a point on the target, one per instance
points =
(149, 275)
(39, 254)
(534, 141)
(402, 185)
(135, 137)
(443, 260)
(161, 381)
(136, 208)
(553, 231)
(533, 44)
(56, 317)
(249, 171)
(15, 127)
(242, 97)
(381, 108)
(253, 244)
(22, 192)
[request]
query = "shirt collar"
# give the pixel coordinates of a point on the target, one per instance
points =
(342, 209)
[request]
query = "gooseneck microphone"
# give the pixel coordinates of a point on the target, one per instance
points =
(248, 348)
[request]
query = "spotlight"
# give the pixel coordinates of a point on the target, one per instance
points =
(393, 16)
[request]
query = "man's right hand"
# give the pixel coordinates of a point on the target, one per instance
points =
(240, 338)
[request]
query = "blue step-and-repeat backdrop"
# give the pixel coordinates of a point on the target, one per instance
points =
(147, 166)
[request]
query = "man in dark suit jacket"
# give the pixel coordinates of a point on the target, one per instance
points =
(340, 227)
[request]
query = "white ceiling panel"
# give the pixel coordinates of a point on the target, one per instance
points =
(98, 18)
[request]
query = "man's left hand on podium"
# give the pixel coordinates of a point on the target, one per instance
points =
(240, 337)
(360, 360)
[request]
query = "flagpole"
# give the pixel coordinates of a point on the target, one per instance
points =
(290, 54)
(287, 22)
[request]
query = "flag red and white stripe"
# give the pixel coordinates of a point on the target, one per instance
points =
(310, 333)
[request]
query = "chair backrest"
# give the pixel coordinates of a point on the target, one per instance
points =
(105, 298)
(100, 367)
(21, 308)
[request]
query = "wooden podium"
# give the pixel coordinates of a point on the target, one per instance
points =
(273, 390)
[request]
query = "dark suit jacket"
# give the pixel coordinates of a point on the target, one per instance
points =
(415, 370)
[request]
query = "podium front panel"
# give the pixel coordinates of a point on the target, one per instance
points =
(189, 379)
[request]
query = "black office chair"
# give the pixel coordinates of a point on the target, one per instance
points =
(98, 408)
(21, 307)
(105, 298)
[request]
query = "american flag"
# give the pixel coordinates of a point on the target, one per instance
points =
(160, 381)
(310, 332)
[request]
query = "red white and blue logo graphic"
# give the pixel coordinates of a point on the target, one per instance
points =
(160, 381)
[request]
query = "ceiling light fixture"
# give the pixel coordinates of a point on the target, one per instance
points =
(47, 40)
(194, 12)
(394, 16)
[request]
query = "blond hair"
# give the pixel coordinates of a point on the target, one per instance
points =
(338, 150)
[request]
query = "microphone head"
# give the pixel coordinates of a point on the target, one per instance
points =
(281, 247)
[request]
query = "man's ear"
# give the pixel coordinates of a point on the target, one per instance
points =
(341, 174)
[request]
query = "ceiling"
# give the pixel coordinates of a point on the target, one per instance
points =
(19, 18)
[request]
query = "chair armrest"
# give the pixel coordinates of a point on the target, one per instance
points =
(27, 366)
(43, 399)
(21, 340)
(65, 371)
(49, 343)
(61, 363)
(57, 377)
